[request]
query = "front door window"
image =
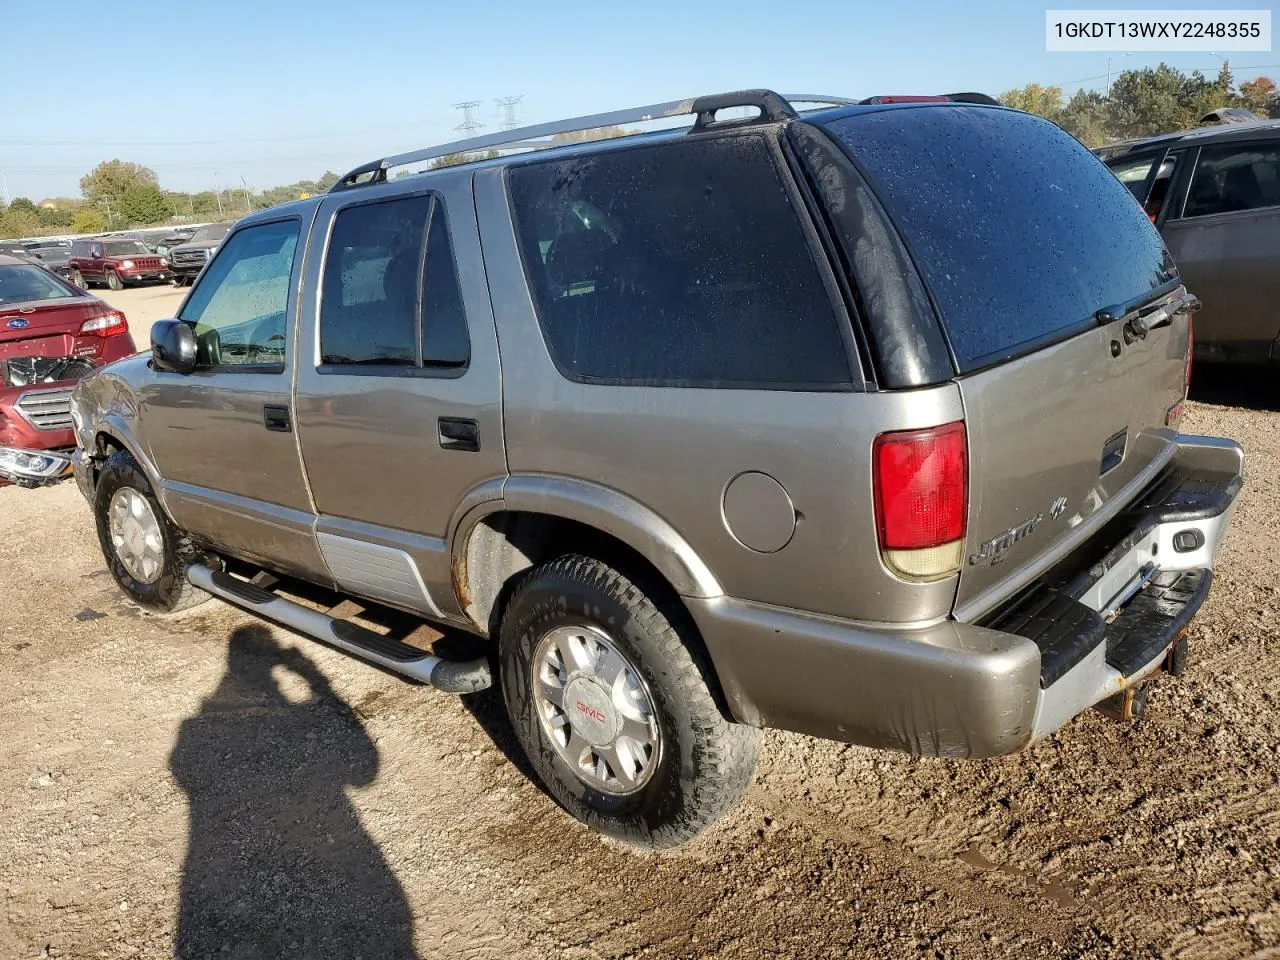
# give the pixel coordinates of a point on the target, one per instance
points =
(237, 309)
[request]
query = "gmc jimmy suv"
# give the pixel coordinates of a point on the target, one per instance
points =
(860, 422)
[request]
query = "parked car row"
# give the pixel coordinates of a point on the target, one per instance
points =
(119, 260)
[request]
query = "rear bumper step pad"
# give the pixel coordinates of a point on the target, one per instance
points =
(1062, 627)
(387, 652)
(1066, 630)
(1155, 617)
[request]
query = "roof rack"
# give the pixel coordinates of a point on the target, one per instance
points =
(955, 97)
(772, 107)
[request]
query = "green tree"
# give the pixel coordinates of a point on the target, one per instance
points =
(88, 220)
(145, 205)
(1086, 118)
(55, 216)
(19, 222)
(108, 182)
(1033, 98)
(22, 204)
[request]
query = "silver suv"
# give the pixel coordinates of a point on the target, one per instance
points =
(860, 422)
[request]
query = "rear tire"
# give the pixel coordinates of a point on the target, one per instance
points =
(114, 281)
(147, 555)
(77, 278)
(682, 777)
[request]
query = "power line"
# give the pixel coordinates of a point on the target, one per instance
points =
(508, 105)
(469, 125)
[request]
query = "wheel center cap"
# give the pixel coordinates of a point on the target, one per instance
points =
(591, 711)
(133, 536)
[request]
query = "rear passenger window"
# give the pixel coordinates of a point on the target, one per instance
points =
(1236, 177)
(390, 293)
(682, 264)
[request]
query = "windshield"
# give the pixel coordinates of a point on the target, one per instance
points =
(1021, 234)
(24, 284)
(125, 248)
(210, 234)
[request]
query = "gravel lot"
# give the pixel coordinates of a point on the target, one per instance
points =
(207, 785)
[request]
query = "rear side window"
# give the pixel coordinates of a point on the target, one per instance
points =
(1133, 174)
(1235, 177)
(680, 264)
(1021, 233)
(390, 296)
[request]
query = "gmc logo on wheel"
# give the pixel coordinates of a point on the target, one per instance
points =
(595, 715)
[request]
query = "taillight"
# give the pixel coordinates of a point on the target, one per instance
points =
(921, 482)
(107, 325)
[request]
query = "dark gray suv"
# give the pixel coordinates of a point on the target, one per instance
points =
(835, 421)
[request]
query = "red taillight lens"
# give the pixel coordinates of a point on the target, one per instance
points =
(921, 482)
(107, 325)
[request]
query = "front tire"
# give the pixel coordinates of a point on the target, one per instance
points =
(114, 281)
(611, 697)
(147, 555)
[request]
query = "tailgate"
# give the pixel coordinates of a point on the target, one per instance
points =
(1059, 441)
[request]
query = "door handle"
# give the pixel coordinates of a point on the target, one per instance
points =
(458, 433)
(275, 417)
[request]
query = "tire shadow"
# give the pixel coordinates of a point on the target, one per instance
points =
(1252, 387)
(278, 864)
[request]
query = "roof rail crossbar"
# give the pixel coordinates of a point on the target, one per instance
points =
(772, 107)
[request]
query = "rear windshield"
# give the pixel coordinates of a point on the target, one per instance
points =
(125, 248)
(23, 284)
(1020, 232)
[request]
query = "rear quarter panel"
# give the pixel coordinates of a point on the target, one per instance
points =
(674, 450)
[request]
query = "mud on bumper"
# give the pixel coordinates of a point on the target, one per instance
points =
(1102, 622)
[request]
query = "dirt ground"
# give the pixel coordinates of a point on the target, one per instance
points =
(207, 786)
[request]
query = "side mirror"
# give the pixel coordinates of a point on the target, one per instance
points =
(96, 253)
(173, 346)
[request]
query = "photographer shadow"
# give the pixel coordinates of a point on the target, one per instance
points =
(278, 863)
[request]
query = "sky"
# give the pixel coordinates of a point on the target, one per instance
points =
(267, 92)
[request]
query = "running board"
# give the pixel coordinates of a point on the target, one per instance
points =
(451, 676)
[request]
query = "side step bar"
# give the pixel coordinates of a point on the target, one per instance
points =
(451, 676)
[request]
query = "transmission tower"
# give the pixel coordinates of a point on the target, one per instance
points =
(469, 124)
(508, 105)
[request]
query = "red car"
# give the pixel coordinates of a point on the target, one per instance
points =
(51, 334)
(116, 263)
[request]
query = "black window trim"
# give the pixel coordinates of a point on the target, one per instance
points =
(422, 369)
(1194, 165)
(290, 306)
(813, 241)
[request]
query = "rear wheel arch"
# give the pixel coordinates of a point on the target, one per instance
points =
(587, 510)
(503, 546)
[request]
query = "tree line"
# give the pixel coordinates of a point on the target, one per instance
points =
(1146, 102)
(120, 195)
